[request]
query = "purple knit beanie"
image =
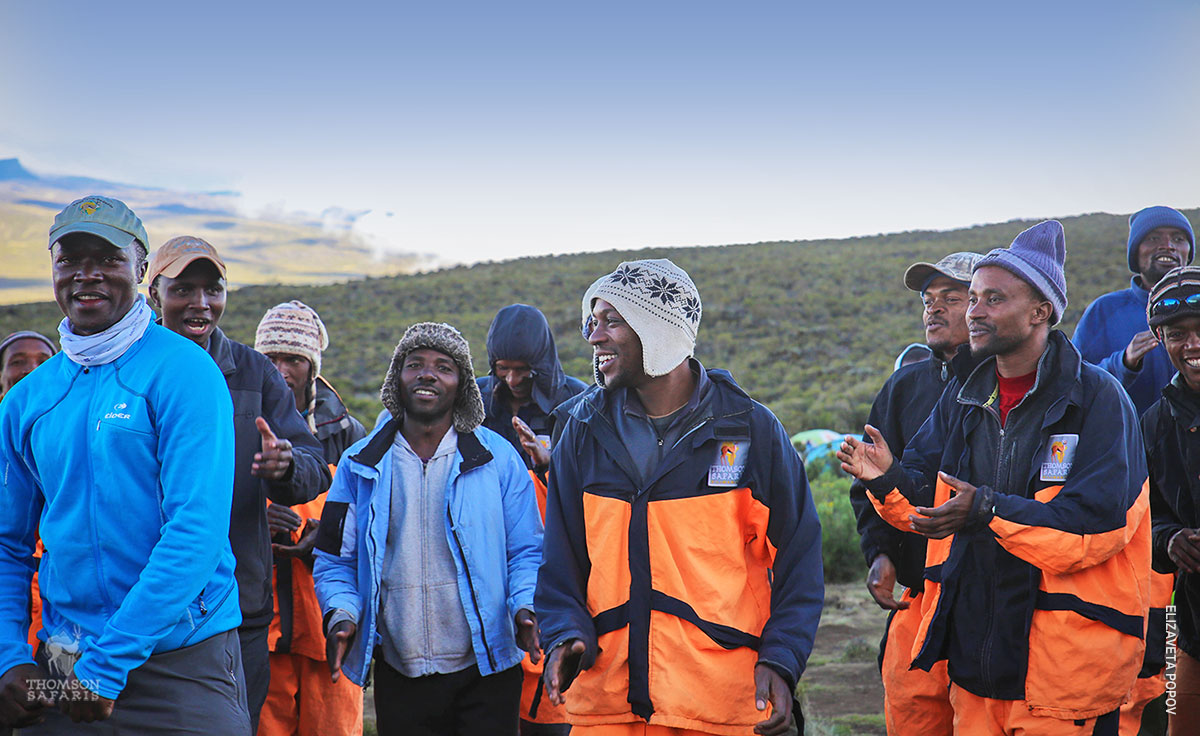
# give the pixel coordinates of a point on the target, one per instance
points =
(1037, 256)
(1143, 221)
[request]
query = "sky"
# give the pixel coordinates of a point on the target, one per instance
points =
(493, 130)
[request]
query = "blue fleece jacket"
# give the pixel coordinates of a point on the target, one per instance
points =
(1104, 331)
(126, 471)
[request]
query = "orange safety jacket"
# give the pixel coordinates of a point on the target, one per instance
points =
(1050, 577)
(679, 587)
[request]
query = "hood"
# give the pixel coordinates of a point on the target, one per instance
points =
(521, 332)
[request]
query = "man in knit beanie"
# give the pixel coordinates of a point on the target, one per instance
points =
(1028, 479)
(1113, 333)
(428, 550)
(682, 546)
(301, 698)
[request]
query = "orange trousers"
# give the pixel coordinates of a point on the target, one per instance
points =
(976, 716)
(915, 702)
(302, 701)
(633, 729)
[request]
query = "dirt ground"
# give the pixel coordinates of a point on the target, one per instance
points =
(841, 691)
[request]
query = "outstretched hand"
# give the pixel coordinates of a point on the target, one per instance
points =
(865, 460)
(944, 520)
(769, 687)
(275, 458)
(562, 665)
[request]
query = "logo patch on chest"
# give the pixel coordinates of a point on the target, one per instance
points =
(1056, 464)
(728, 465)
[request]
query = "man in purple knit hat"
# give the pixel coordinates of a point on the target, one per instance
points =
(1028, 479)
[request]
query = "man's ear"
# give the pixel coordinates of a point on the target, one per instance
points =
(154, 300)
(1043, 312)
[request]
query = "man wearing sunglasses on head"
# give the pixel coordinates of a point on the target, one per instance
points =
(1173, 454)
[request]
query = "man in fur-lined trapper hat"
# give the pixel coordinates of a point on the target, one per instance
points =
(445, 511)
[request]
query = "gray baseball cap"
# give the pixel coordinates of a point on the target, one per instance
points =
(103, 216)
(956, 266)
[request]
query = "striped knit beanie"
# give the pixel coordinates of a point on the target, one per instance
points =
(295, 328)
(661, 304)
(1037, 256)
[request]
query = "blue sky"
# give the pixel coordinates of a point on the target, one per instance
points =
(499, 129)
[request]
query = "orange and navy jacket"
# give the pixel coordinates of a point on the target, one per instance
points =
(709, 568)
(1043, 595)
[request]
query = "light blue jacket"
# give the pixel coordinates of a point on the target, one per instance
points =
(492, 524)
(126, 471)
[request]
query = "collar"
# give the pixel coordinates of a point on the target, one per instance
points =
(221, 351)
(473, 452)
(1183, 402)
(1135, 285)
(627, 400)
(1057, 371)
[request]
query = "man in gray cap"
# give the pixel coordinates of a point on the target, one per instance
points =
(915, 702)
(119, 452)
(683, 551)
(1028, 478)
(428, 550)
(20, 353)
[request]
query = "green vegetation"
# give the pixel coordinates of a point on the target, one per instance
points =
(808, 328)
(840, 553)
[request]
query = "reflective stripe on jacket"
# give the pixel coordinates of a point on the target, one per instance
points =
(679, 588)
(1063, 553)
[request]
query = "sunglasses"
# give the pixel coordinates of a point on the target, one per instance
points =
(1172, 304)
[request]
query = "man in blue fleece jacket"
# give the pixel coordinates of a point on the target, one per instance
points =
(119, 452)
(1113, 333)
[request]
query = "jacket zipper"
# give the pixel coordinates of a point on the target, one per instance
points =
(471, 586)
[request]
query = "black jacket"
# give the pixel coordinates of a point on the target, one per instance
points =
(900, 408)
(336, 429)
(258, 390)
(1171, 428)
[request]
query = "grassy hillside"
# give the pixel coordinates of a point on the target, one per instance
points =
(809, 328)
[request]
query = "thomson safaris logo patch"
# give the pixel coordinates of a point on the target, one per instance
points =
(1060, 455)
(728, 465)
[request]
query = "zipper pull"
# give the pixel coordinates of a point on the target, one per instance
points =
(660, 442)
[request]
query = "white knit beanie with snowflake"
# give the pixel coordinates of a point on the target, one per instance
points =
(661, 304)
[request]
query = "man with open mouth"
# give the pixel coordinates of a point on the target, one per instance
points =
(276, 457)
(681, 585)
(119, 452)
(428, 551)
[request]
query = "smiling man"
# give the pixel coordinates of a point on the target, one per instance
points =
(428, 549)
(1028, 479)
(683, 551)
(101, 455)
(20, 353)
(275, 455)
(1112, 333)
(915, 702)
(1173, 452)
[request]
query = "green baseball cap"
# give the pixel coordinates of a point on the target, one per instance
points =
(105, 217)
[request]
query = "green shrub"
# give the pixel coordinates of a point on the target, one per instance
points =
(830, 487)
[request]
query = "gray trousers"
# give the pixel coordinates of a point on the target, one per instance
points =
(194, 690)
